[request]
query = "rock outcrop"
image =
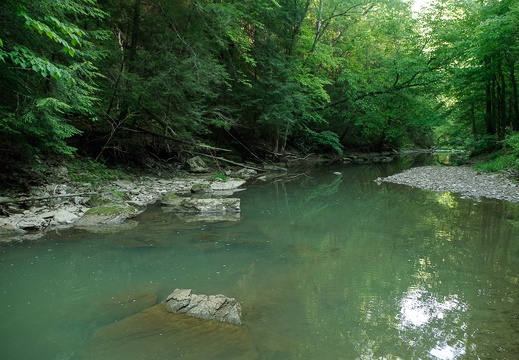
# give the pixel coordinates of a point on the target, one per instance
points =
(209, 307)
(196, 165)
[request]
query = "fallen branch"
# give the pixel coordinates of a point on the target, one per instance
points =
(179, 140)
(231, 162)
(38, 198)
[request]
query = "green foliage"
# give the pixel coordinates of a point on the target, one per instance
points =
(324, 142)
(484, 145)
(219, 176)
(27, 59)
(321, 75)
(474, 47)
(506, 159)
(89, 171)
(46, 73)
(499, 163)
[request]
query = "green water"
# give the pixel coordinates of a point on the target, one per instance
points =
(325, 266)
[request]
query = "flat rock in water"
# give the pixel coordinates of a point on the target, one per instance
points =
(158, 334)
(230, 184)
(207, 217)
(190, 205)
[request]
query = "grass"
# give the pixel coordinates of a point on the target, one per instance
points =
(499, 162)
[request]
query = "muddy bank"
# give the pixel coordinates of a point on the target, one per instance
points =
(458, 179)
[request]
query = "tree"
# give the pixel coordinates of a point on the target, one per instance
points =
(47, 72)
(379, 84)
(475, 50)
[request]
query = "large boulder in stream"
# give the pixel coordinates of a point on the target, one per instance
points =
(209, 307)
(158, 334)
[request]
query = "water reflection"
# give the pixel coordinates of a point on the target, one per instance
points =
(423, 316)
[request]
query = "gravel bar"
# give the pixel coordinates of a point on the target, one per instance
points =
(458, 179)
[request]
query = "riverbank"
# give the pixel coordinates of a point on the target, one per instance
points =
(58, 197)
(458, 179)
(61, 199)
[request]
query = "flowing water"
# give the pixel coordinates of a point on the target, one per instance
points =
(325, 266)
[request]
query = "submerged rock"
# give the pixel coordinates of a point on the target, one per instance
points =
(158, 334)
(121, 306)
(209, 307)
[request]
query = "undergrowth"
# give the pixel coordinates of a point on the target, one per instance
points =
(89, 171)
(504, 160)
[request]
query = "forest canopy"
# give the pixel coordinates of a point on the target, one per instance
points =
(113, 79)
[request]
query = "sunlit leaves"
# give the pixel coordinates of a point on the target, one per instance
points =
(475, 55)
(27, 59)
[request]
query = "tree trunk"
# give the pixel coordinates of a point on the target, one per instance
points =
(473, 118)
(501, 103)
(514, 99)
(489, 122)
(489, 99)
(132, 56)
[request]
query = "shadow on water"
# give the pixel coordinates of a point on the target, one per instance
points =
(326, 265)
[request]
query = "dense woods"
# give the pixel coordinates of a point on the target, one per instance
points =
(114, 79)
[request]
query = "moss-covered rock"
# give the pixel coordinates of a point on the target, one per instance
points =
(201, 188)
(107, 198)
(171, 199)
(110, 214)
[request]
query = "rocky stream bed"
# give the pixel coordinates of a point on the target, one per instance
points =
(63, 203)
(458, 179)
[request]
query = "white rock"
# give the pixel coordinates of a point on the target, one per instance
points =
(226, 185)
(64, 217)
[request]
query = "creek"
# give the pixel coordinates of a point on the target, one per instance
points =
(325, 266)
